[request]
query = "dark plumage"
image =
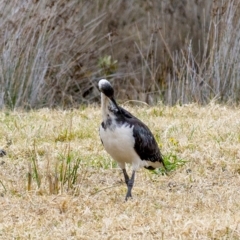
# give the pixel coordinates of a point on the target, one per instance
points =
(125, 137)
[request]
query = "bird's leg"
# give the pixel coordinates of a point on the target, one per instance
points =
(126, 177)
(130, 185)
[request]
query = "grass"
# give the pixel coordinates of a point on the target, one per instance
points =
(53, 53)
(68, 187)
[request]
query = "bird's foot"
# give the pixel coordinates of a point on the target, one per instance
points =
(130, 186)
(128, 195)
(129, 182)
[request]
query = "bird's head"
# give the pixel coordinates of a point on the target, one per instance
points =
(106, 88)
(107, 97)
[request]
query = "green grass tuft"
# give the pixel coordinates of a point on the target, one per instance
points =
(172, 162)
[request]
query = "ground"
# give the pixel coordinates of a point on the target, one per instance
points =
(57, 181)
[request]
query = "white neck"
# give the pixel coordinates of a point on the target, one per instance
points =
(104, 106)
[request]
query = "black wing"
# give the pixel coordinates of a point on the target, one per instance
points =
(145, 143)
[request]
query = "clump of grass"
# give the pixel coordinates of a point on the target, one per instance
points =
(171, 162)
(33, 170)
(65, 175)
(68, 171)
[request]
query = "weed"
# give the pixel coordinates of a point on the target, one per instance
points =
(35, 174)
(172, 162)
(107, 65)
(68, 170)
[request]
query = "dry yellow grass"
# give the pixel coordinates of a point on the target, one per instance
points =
(199, 200)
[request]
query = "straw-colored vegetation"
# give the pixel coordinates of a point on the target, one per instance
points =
(182, 51)
(57, 182)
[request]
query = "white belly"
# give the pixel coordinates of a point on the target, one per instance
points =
(119, 143)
